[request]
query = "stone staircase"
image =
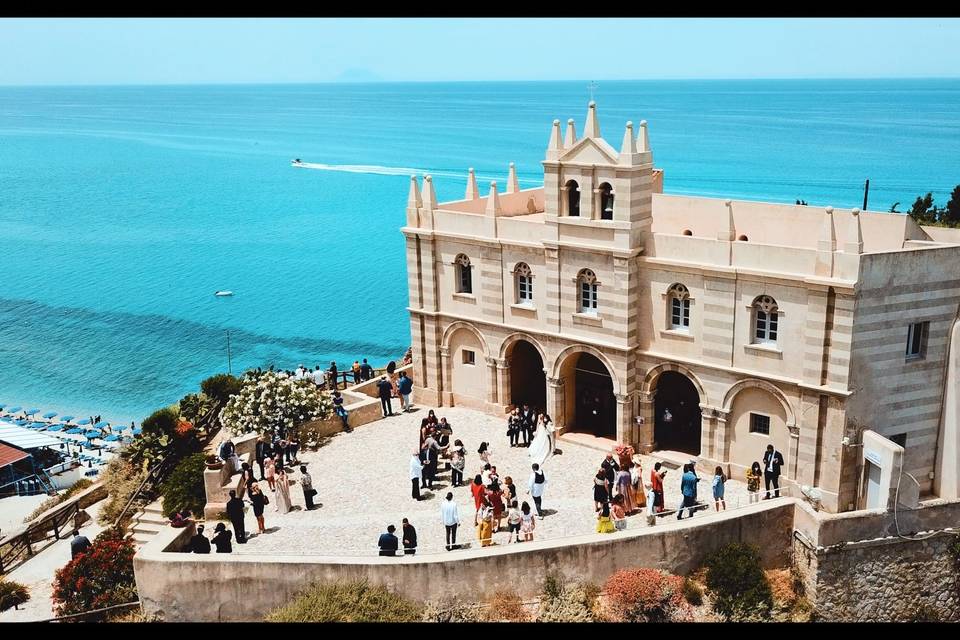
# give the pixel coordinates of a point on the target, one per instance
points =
(147, 523)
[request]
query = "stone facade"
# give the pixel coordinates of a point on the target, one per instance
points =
(691, 324)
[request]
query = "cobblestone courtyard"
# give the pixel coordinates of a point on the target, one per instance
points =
(362, 483)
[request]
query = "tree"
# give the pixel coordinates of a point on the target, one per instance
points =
(220, 387)
(923, 210)
(951, 215)
(100, 577)
(184, 488)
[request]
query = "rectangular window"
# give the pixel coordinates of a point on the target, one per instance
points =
(466, 285)
(917, 340)
(525, 290)
(759, 424)
(680, 314)
(588, 298)
(469, 357)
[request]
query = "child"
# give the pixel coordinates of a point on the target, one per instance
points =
(513, 520)
(527, 522)
(618, 514)
(753, 482)
(719, 479)
(604, 525)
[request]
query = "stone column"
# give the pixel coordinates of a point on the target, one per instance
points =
(721, 438)
(794, 451)
(624, 418)
(707, 428)
(492, 381)
(446, 378)
(645, 443)
(556, 403)
(503, 382)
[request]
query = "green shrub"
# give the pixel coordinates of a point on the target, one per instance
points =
(646, 595)
(12, 594)
(121, 478)
(50, 503)
(100, 577)
(162, 422)
(220, 387)
(563, 601)
(194, 406)
(184, 488)
(737, 584)
(354, 601)
(692, 592)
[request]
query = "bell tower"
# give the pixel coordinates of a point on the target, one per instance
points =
(589, 185)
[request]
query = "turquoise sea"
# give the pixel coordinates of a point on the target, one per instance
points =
(122, 209)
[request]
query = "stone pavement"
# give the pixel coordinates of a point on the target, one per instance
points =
(362, 483)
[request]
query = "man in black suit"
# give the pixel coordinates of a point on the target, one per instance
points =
(610, 468)
(528, 419)
(388, 542)
(772, 461)
(235, 513)
(385, 391)
(264, 451)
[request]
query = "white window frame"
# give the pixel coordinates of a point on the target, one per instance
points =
(523, 279)
(588, 298)
(464, 269)
(766, 321)
(678, 310)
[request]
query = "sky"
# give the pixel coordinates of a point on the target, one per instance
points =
(47, 51)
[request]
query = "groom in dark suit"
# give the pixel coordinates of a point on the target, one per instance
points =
(264, 451)
(528, 419)
(772, 461)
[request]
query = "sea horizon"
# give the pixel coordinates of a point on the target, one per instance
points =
(125, 207)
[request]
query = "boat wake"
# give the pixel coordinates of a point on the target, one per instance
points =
(401, 171)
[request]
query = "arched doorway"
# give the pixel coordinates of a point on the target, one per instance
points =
(528, 382)
(595, 408)
(677, 414)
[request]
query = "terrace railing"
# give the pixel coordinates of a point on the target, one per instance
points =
(20, 545)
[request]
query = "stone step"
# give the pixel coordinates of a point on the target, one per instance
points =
(154, 508)
(140, 540)
(147, 528)
(151, 518)
(672, 459)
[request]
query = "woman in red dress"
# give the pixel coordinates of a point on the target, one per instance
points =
(478, 492)
(495, 497)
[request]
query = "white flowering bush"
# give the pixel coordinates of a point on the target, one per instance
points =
(274, 399)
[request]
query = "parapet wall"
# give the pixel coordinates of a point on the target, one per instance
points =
(209, 588)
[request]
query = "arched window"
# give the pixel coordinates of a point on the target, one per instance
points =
(679, 298)
(587, 288)
(524, 279)
(687, 232)
(464, 279)
(573, 198)
(765, 320)
(606, 201)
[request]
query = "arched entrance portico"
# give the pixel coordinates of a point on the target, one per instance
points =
(528, 382)
(677, 419)
(590, 395)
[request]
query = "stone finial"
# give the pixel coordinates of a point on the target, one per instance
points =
(629, 146)
(854, 243)
(472, 192)
(592, 127)
(571, 138)
(413, 200)
(429, 195)
(643, 140)
(555, 146)
(493, 201)
(728, 232)
(513, 185)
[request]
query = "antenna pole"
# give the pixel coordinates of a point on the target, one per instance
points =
(866, 191)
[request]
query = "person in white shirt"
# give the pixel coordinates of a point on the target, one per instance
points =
(319, 376)
(535, 487)
(450, 515)
(416, 474)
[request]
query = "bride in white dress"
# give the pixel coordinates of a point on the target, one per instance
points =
(544, 442)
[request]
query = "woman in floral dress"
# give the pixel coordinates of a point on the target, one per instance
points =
(281, 492)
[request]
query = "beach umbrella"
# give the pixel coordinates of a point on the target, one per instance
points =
(49, 414)
(92, 434)
(30, 412)
(121, 427)
(56, 427)
(20, 423)
(137, 431)
(14, 409)
(111, 438)
(84, 421)
(75, 430)
(38, 425)
(66, 418)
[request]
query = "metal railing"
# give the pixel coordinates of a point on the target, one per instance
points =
(87, 614)
(20, 546)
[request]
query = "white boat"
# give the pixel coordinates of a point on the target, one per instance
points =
(223, 293)
(297, 162)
